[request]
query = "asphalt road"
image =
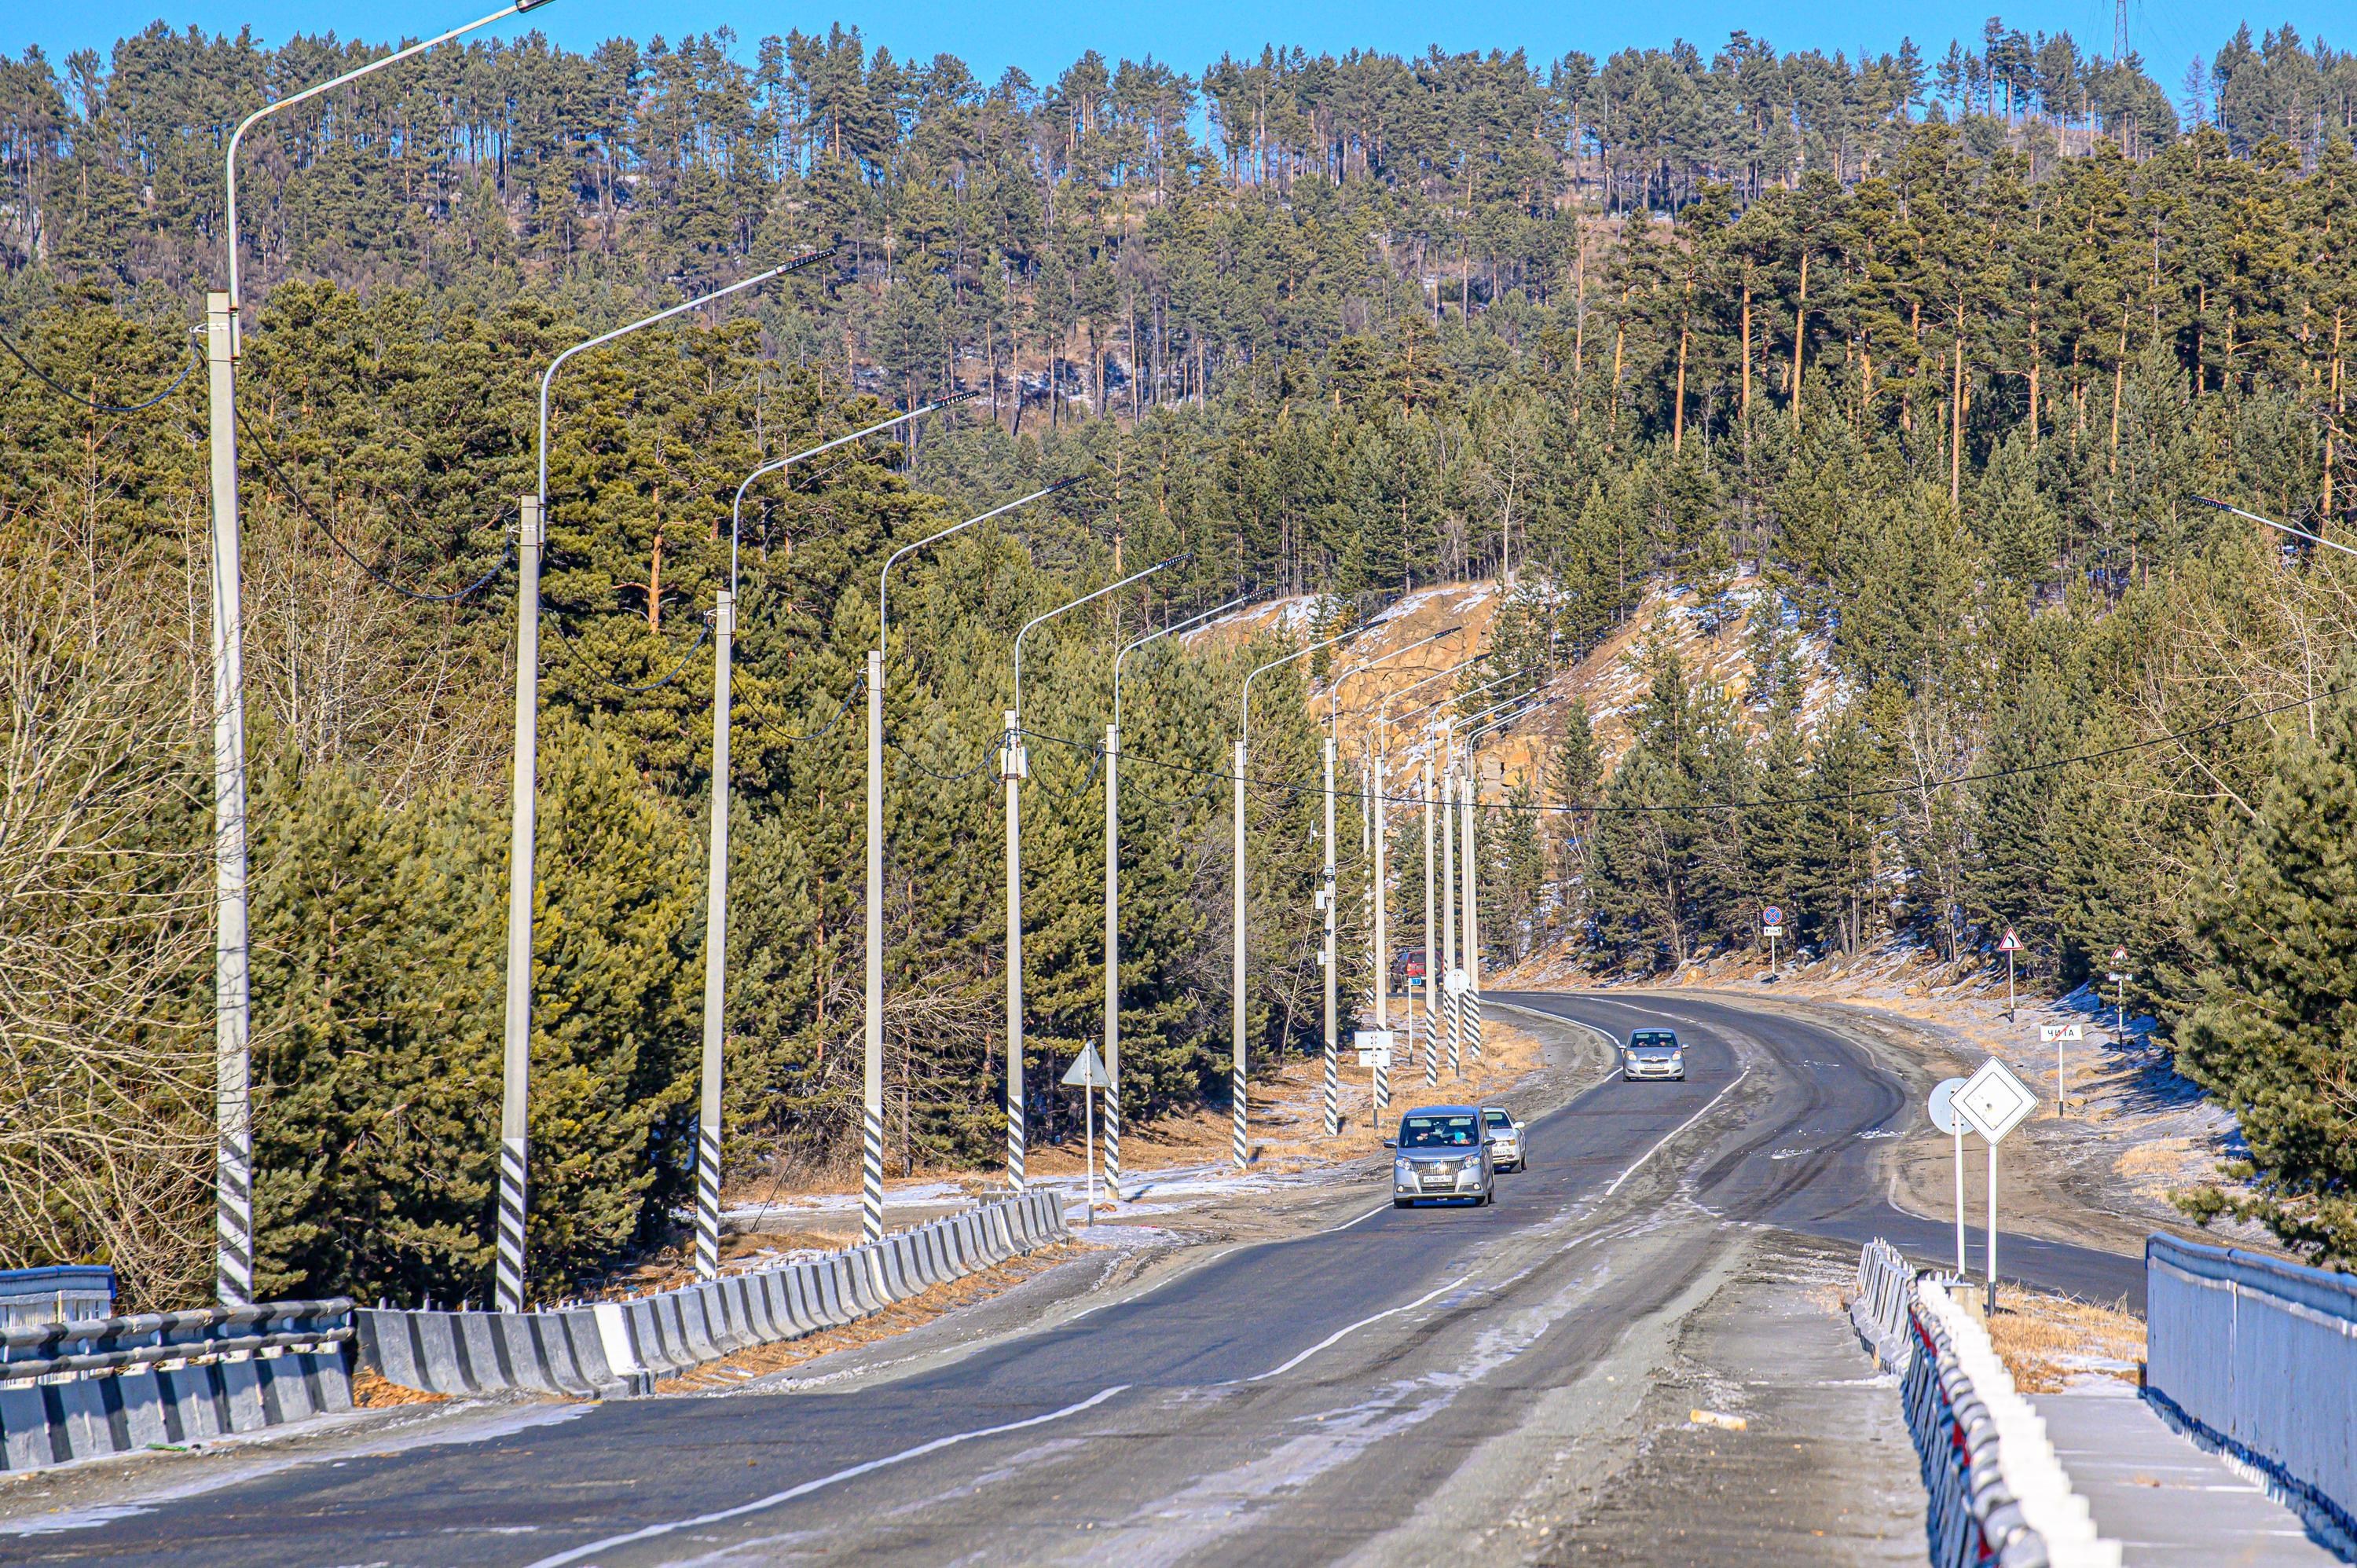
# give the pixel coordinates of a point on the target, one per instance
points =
(1299, 1401)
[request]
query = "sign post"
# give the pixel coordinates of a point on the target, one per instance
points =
(2119, 979)
(1088, 1075)
(2009, 946)
(1374, 1048)
(1944, 1117)
(1771, 926)
(1995, 1102)
(2056, 1035)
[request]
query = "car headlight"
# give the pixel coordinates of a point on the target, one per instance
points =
(1403, 1168)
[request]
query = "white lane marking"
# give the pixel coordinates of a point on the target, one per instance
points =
(1340, 1334)
(1674, 1132)
(1370, 1214)
(806, 1488)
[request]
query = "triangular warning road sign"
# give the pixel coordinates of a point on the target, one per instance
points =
(2011, 942)
(1089, 1072)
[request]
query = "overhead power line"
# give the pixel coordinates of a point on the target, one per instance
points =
(1827, 798)
(271, 467)
(92, 405)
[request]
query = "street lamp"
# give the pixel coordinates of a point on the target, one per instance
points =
(1237, 1008)
(233, 983)
(1326, 897)
(531, 533)
(716, 918)
(871, 1119)
(1112, 892)
(1013, 768)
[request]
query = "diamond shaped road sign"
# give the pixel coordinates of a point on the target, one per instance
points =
(1995, 1101)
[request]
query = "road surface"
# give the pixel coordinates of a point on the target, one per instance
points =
(1391, 1387)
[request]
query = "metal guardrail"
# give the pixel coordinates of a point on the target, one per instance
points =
(114, 1385)
(2229, 1334)
(1885, 1288)
(124, 1344)
(616, 1348)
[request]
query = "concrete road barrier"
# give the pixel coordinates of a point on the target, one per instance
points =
(616, 1349)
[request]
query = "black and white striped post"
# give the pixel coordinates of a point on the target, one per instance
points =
(1239, 1001)
(1012, 768)
(715, 922)
(871, 1139)
(1328, 897)
(1471, 1004)
(1431, 947)
(523, 830)
(232, 975)
(1112, 891)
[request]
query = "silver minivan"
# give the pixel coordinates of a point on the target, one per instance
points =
(1441, 1153)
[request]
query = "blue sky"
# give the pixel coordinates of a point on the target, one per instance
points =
(1043, 39)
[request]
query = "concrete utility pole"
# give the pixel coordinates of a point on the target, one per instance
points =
(531, 538)
(871, 1194)
(1327, 956)
(1238, 1009)
(1112, 892)
(232, 980)
(1014, 768)
(1382, 932)
(1452, 1012)
(716, 913)
(1469, 1006)
(1326, 899)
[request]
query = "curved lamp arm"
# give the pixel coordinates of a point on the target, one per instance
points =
(329, 86)
(1084, 598)
(1136, 643)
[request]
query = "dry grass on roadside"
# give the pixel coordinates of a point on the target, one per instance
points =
(2048, 1342)
(762, 1359)
(370, 1391)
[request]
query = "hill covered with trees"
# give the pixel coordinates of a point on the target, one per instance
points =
(1943, 377)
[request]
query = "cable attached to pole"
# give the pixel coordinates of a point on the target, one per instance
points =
(702, 637)
(195, 358)
(859, 684)
(271, 467)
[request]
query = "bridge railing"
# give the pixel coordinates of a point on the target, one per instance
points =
(1996, 1494)
(2229, 1336)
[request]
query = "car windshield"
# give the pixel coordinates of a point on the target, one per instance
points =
(1437, 1132)
(1652, 1041)
(1497, 1119)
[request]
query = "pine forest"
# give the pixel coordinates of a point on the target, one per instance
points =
(1928, 368)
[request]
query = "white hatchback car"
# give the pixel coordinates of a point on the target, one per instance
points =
(1654, 1053)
